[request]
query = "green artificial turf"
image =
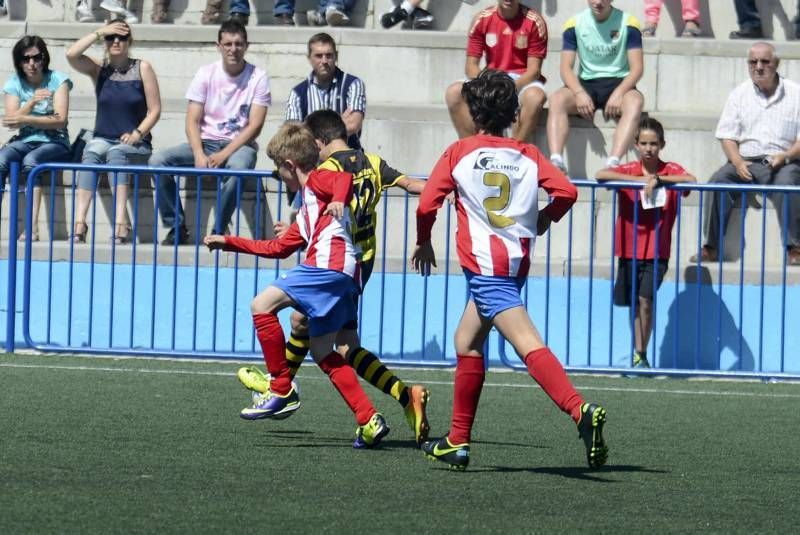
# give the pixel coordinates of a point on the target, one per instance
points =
(103, 445)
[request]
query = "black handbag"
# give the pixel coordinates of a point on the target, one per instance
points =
(76, 149)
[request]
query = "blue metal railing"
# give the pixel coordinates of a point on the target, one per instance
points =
(191, 305)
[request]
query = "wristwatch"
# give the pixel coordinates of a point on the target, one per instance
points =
(659, 182)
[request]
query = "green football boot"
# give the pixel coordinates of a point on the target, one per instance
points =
(590, 429)
(456, 455)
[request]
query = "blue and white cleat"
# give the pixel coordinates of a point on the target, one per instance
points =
(272, 405)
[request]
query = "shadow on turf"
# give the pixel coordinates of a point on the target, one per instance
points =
(328, 442)
(574, 472)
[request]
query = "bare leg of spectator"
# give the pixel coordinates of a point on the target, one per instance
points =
(643, 325)
(459, 112)
(37, 201)
(632, 104)
(562, 105)
(531, 102)
(83, 198)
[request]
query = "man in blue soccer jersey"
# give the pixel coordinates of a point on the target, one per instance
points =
(608, 44)
(371, 175)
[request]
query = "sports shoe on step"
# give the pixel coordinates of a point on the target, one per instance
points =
(83, 13)
(456, 455)
(315, 18)
(118, 8)
(590, 430)
(421, 19)
(273, 406)
(371, 433)
(415, 412)
(394, 17)
(336, 17)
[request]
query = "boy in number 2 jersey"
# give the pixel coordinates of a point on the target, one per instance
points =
(496, 181)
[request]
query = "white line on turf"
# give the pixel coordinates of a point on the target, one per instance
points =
(448, 383)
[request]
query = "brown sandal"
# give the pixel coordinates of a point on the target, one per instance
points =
(79, 237)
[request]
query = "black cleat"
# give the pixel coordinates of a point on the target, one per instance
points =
(394, 17)
(590, 429)
(457, 456)
(421, 19)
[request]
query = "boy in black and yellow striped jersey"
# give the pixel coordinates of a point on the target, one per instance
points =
(371, 175)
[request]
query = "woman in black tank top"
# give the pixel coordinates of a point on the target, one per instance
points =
(128, 107)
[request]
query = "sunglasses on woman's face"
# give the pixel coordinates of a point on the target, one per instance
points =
(112, 38)
(36, 58)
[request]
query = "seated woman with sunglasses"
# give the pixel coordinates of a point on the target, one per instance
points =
(128, 107)
(36, 108)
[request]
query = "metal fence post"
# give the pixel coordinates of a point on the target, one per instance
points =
(11, 292)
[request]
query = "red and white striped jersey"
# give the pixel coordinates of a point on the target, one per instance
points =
(330, 243)
(496, 182)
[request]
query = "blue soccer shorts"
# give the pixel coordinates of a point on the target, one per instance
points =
(493, 295)
(326, 297)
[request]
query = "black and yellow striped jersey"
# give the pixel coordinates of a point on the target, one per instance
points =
(371, 175)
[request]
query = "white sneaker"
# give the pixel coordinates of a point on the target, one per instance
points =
(336, 17)
(315, 18)
(83, 13)
(558, 162)
(118, 8)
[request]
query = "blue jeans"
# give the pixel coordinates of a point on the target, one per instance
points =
(101, 150)
(239, 6)
(182, 156)
(286, 7)
(747, 14)
(29, 155)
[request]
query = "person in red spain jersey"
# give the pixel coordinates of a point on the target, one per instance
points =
(513, 38)
(323, 287)
(644, 248)
(496, 181)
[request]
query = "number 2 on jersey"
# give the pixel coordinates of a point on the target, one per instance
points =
(492, 205)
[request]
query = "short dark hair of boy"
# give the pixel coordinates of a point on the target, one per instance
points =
(322, 38)
(326, 125)
(649, 123)
(232, 27)
(492, 101)
(29, 41)
(295, 142)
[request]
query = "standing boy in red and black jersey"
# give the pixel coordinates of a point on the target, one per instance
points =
(514, 39)
(636, 247)
(323, 287)
(496, 182)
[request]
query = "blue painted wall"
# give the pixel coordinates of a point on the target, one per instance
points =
(404, 317)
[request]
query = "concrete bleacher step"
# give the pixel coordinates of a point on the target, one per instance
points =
(718, 17)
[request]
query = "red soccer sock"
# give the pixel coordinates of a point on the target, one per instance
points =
(273, 345)
(466, 394)
(545, 369)
(345, 381)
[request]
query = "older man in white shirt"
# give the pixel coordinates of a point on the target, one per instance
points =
(760, 134)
